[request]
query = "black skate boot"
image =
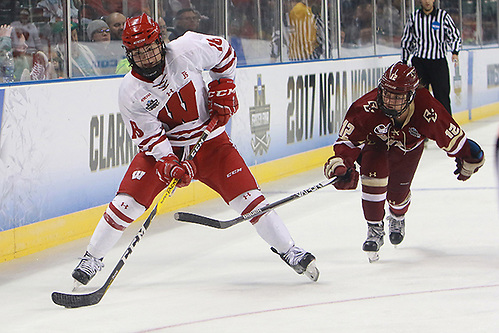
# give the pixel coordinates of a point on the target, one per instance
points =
(87, 268)
(397, 229)
(374, 241)
(301, 261)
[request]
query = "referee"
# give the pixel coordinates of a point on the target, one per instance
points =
(427, 35)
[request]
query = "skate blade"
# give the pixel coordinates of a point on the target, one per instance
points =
(312, 272)
(372, 256)
(76, 285)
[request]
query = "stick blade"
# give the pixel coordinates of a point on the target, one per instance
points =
(72, 301)
(198, 219)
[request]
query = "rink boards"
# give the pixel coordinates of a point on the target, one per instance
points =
(64, 147)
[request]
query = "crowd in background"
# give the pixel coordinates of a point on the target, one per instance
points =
(34, 35)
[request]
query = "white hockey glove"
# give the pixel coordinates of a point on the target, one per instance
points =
(348, 176)
(465, 167)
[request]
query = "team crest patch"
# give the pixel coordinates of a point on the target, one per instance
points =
(430, 115)
(414, 132)
(152, 104)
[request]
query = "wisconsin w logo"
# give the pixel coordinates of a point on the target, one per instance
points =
(138, 174)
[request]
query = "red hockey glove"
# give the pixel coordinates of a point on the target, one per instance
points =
(464, 169)
(170, 167)
(222, 100)
(348, 176)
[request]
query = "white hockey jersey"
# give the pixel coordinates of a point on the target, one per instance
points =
(172, 109)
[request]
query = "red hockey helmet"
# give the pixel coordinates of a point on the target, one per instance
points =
(398, 79)
(138, 33)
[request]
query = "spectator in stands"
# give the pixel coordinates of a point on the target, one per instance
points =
(163, 28)
(54, 11)
(29, 30)
(358, 25)
(83, 61)
(115, 21)
(5, 37)
(176, 5)
(98, 31)
(6, 59)
(108, 53)
(21, 59)
(305, 37)
(187, 19)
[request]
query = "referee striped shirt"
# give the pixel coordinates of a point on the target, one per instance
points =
(429, 36)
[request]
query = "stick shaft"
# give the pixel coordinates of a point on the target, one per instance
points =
(219, 224)
(80, 300)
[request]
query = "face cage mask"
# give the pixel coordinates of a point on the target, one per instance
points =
(150, 73)
(392, 113)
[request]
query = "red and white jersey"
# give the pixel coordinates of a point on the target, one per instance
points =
(172, 109)
(365, 124)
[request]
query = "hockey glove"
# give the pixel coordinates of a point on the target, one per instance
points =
(170, 167)
(222, 100)
(466, 167)
(348, 177)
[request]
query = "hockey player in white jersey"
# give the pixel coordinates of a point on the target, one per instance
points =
(166, 106)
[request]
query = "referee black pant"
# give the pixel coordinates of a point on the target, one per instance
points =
(435, 72)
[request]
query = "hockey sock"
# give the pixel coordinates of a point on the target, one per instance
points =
(269, 226)
(122, 211)
(272, 230)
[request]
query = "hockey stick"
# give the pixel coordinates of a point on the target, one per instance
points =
(219, 224)
(80, 300)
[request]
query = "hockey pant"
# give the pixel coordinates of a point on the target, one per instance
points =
(386, 175)
(219, 166)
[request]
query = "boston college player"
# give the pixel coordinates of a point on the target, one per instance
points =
(384, 132)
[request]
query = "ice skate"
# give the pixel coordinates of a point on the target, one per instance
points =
(86, 269)
(301, 261)
(374, 241)
(397, 229)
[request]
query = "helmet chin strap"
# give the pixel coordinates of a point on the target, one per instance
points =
(151, 73)
(392, 113)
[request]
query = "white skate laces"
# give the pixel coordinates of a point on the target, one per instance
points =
(301, 261)
(87, 268)
(397, 229)
(374, 241)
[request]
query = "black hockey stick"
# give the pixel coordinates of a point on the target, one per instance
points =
(208, 221)
(80, 300)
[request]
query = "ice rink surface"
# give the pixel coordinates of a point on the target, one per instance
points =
(444, 277)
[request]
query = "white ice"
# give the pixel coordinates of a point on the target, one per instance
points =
(444, 277)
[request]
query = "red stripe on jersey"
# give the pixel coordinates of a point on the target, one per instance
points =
(145, 142)
(228, 53)
(224, 68)
(161, 139)
(111, 222)
(188, 131)
(120, 215)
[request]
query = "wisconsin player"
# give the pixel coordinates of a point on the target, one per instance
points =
(384, 132)
(166, 105)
